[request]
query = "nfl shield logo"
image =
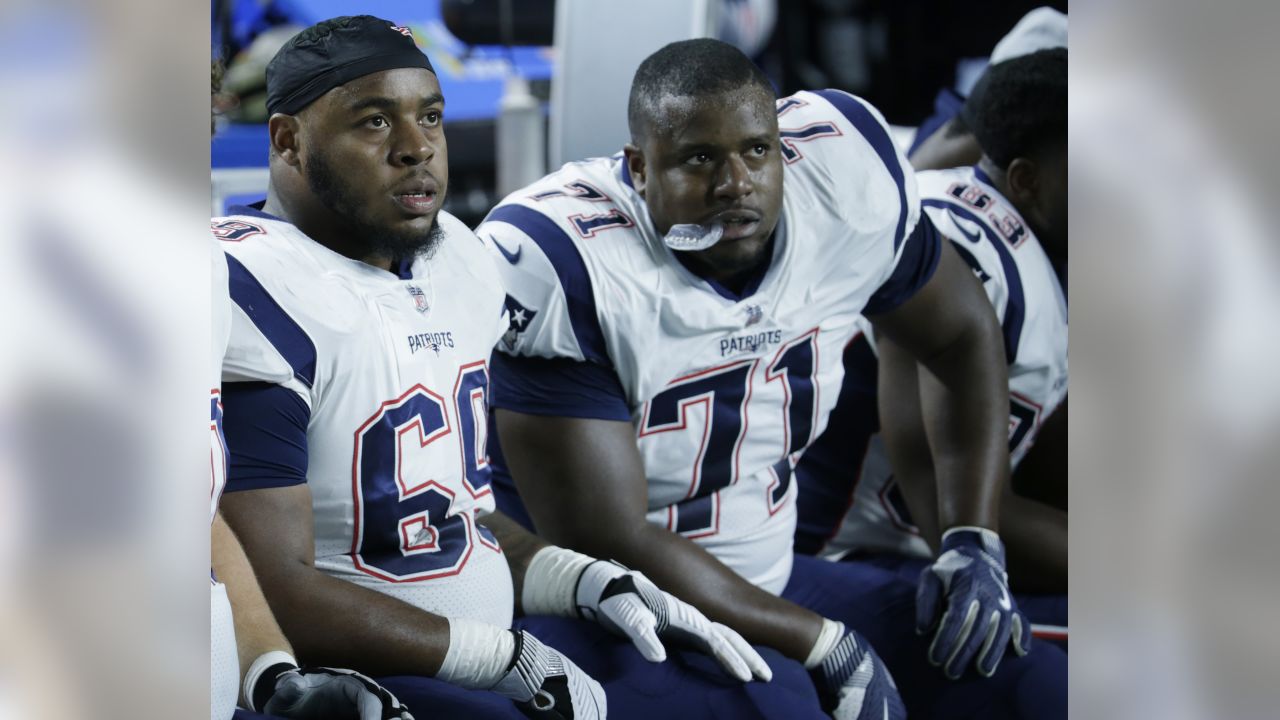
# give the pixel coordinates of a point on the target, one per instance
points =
(419, 298)
(754, 315)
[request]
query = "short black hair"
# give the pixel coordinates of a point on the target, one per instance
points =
(1019, 107)
(689, 68)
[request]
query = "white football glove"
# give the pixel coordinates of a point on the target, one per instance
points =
(569, 584)
(282, 689)
(542, 682)
(545, 684)
(627, 603)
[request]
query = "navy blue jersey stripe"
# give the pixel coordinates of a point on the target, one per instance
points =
(969, 259)
(571, 270)
(626, 173)
(285, 335)
(1016, 310)
(875, 134)
(266, 429)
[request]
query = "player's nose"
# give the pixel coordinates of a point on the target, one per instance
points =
(733, 179)
(411, 146)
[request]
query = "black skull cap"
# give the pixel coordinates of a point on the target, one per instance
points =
(335, 52)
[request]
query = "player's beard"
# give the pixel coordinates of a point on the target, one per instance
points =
(337, 194)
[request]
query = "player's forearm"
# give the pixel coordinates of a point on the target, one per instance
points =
(946, 149)
(905, 439)
(328, 621)
(964, 393)
(337, 623)
(255, 626)
(1035, 537)
(518, 544)
(694, 575)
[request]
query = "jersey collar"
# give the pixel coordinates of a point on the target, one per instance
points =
(404, 270)
(254, 210)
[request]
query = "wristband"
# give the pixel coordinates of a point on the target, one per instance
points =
(269, 665)
(988, 535)
(551, 581)
(988, 540)
(827, 640)
(479, 654)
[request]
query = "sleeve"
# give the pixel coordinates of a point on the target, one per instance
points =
(557, 386)
(266, 343)
(266, 430)
(552, 359)
(916, 264)
(551, 303)
(870, 125)
(888, 204)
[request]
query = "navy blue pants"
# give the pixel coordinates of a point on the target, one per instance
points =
(687, 685)
(878, 598)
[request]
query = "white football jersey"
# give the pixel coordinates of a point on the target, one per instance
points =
(221, 326)
(224, 663)
(725, 392)
(990, 235)
(394, 369)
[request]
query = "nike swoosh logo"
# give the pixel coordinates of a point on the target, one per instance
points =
(973, 237)
(512, 257)
(1005, 603)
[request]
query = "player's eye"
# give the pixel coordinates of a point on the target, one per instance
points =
(377, 122)
(699, 158)
(432, 118)
(759, 150)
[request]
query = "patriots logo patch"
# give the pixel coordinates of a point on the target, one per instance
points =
(235, 230)
(402, 30)
(520, 318)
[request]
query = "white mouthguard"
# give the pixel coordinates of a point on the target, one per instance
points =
(693, 237)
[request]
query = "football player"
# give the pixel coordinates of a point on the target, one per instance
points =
(944, 139)
(677, 316)
(1006, 216)
(243, 634)
(356, 403)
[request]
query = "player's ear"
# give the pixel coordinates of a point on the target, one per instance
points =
(283, 131)
(1023, 177)
(635, 165)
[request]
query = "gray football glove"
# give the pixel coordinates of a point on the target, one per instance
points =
(321, 693)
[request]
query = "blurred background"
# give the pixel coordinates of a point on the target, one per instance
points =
(105, 189)
(532, 84)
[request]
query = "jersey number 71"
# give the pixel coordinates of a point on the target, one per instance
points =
(725, 391)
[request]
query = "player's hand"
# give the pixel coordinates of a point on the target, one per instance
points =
(331, 694)
(627, 603)
(854, 684)
(965, 596)
(547, 685)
